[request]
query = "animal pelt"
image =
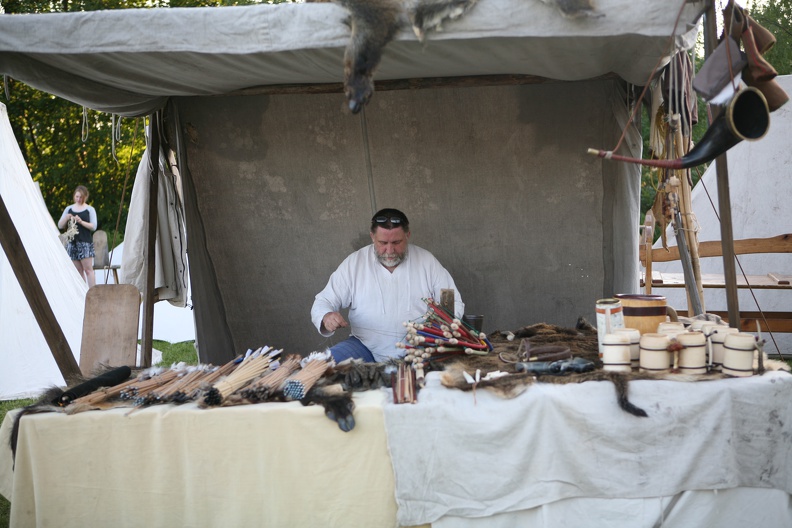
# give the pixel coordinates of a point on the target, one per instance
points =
(581, 340)
(337, 403)
(355, 375)
(374, 23)
(428, 15)
(57, 399)
(512, 385)
(42, 405)
(575, 8)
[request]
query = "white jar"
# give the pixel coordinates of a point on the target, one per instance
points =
(707, 329)
(717, 337)
(654, 353)
(635, 344)
(693, 356)
(671, 328)
(738, 354)
(616, 352)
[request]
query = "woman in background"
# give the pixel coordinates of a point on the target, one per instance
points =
(80, 218)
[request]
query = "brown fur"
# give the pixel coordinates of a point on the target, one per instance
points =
(516, 383)
(581, 340)
(374, 23)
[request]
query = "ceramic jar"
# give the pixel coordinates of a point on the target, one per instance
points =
(654, 355)
(635, 344)
(717, 338)
(616, 352)
(693, 356)
(738, 354)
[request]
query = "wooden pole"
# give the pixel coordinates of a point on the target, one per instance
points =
(34, 293)
(724, 196)
(150, 294)
(687, 227)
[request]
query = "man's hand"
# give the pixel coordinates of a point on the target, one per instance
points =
(332, 321)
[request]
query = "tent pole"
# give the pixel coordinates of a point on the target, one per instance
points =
(149, 296)
(34, 293)
(724, 197)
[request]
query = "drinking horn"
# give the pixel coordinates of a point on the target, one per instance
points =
(746, 116)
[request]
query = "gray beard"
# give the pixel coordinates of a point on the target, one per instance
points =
(390, 261)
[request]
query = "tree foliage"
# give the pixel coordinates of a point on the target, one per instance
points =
(776, 17)
(65, 147)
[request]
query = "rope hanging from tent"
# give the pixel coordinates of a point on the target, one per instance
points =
(123, 192)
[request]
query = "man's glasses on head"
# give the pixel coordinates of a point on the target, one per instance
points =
(386, 219)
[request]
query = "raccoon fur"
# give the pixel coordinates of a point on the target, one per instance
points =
(374, 23)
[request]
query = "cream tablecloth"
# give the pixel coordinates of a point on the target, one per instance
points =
(275, 465)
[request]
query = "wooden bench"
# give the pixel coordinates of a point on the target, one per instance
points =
(102, 254)
(776, 321)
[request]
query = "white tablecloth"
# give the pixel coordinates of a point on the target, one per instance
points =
(457, 456)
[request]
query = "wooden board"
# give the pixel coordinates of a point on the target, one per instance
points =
(748, 246)
(771, 281)
(780, 322)
(110, 327)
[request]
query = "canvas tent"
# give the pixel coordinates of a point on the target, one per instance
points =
(760, 185)
(279, 182)
(26, 363)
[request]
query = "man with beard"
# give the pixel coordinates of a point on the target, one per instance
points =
(383, 285)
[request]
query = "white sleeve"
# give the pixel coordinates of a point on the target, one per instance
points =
(92, 217)
(335, 296)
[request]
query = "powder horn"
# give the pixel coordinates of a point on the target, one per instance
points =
(746, 116)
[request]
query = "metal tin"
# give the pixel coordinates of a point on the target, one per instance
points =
(609, 318)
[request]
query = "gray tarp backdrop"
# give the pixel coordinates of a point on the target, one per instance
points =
(279, 188)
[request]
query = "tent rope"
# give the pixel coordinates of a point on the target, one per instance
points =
(115, 134)
(123, 192)
(84, 135)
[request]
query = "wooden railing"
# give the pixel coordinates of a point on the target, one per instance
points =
(773, 280)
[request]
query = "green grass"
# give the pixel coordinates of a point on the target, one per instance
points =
(176, 352)
(5, 506)
(171, 353)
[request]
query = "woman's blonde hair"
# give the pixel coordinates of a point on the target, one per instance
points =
(84, 190)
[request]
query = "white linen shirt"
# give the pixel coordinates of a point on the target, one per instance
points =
(380, 302)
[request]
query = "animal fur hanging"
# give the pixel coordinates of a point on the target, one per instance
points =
(374, 23)
(575, 8)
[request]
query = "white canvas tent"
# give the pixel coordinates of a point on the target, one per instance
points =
(760, 183)
(26, 363)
